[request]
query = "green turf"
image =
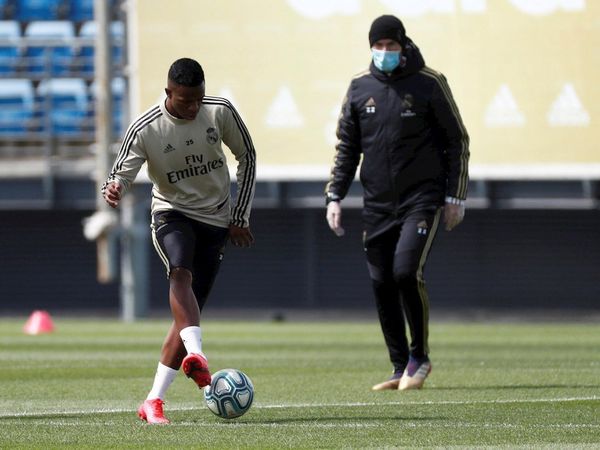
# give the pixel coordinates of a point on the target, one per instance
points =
(506, 385)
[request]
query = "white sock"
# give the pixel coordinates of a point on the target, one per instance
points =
(192, 339)
(162, 380)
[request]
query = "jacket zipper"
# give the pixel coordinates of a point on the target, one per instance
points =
(389, 108)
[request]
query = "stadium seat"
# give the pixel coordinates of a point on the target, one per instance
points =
(86, 53)
(30, 10)
(10, 31)
(118, 97)
(16, 106)
(81, 10)
(118, 91)
(54, 53)
(66, 102)
(7, 9)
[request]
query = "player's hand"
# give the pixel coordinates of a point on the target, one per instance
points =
(453, 215)
(334, 218)
(240, 237)
(112, 193)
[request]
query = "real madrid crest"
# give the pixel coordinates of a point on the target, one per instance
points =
(211, 135)
(407, 102)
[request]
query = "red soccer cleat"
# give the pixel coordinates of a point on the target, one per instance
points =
(152, 412)
(195, 366)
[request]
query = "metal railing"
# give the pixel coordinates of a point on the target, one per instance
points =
(39, 120)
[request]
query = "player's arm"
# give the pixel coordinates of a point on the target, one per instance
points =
(129, 160)
(112, 193)
(347, 157)
(237, 138)
(456, 152)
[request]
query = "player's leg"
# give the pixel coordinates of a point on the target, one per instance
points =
(184, 306)
(416, 237)
(172, 353)
(186, 314)
(379, 250)
(175, 241)
(172, 236)
(210, 249)
(208, 253)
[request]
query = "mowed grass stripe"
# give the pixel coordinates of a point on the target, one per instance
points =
(330, 425)
(499, 385)
(81, 412)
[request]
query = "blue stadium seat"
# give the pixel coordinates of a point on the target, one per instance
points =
(86, 53)
(10, 31)
(54, 59)
(29, 10)
(81, 10)
(7, 9)
(16, 106)
(117, 87)
(118, 91)
(66, 102)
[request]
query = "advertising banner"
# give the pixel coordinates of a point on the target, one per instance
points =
(524, 73)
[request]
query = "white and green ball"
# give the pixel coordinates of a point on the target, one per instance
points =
(229, 394)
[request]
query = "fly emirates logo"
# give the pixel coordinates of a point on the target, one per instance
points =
(195, 167)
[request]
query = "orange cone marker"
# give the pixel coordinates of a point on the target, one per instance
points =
(39, 322)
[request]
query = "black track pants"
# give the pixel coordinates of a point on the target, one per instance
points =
(397, 249)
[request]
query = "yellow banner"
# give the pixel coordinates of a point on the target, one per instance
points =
(524, 73)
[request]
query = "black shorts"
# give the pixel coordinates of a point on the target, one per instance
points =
(182, 242)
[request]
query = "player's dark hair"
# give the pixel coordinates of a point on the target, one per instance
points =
(186, 72)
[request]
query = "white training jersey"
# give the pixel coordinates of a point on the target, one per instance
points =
(186, 163)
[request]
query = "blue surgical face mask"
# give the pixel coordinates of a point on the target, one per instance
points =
(384, 60)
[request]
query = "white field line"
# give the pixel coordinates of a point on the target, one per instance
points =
(308, 405)
(324, 424)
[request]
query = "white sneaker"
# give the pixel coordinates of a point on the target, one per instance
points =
(390, 384)
(415, 373)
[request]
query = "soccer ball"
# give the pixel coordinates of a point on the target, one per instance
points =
(229, 394)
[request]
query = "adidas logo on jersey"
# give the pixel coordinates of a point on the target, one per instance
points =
(370, 106)
(168, 148)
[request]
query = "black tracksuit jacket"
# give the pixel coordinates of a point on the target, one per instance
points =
(406, 126)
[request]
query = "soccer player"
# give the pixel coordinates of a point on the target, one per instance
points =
(180, 140)
(401, 118)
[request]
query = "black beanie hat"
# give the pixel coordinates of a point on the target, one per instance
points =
(387, 27)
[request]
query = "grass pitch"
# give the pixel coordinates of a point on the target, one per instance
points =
(507, 385)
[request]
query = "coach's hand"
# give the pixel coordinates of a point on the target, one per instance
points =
(334, 218)
(453, 215)
(112, 193)
(240, 237)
